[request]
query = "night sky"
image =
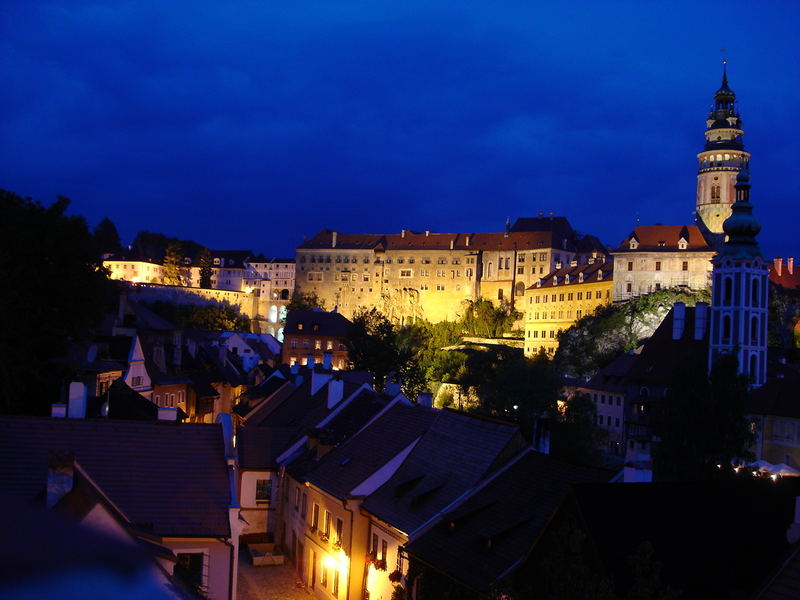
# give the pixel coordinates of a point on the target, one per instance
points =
(252, 124)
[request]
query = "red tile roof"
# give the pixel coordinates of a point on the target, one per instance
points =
(665, 238)
(784, 274)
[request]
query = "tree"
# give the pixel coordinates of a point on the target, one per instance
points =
(702, 421)
(204, 259)
(305, 301)
(574, 435)
(215, 316)
(106, 236)
(372, 345)
(484, 319)
(173, 264)
(58, 294)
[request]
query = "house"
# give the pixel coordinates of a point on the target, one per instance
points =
(474, 547)
(311, 334)
(170, 483)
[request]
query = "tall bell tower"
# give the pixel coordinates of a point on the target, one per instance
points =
(740, 293)
(722, 158)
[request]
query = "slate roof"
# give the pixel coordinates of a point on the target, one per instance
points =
(661, 356)
(330, 323)
(496, 526)
(613, 377)
(664, 238)
(168, 476)
(714, 539)
(591, 274)
(346, 466)
(259, 447)
(454, 454)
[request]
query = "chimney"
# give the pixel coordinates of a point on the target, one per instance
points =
(335, 391)
(638, 462)
(58, 411)
(678, 320)
(452, 243)
(327, 360)
(60, 473)
(700, 320)
(333, 239)
(790, 265)
(778, 263)
(295, 368)
(427, 233)
(76, 405)
(167, 414)
(467, 239)
(310, 361)
(425, 399)
(402, 233)
(541, 436)
(318, 380)
(392, 387)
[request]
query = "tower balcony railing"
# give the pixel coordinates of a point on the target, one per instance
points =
(716, 165)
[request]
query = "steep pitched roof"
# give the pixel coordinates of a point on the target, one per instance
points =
(568, 276)
(326, 323)
(494, 528)
(171, 477)
(665, 238)
(348, 465)
(453, 455)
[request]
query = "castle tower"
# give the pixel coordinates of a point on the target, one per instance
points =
(723, 156)
(739, 296)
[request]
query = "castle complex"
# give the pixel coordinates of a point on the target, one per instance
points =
(425, 275)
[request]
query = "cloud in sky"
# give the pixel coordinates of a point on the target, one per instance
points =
(251, 124)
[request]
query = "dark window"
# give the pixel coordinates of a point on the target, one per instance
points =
(658, 265)
(263, 490)
(189, 568)
(630, 265)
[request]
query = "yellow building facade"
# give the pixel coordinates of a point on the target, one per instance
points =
(557, 301)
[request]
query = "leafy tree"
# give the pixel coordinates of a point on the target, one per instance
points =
(58, 293)
(215, 316)
(173, 264)
(784, 312)
(204, 259)
(574, 435)
(701, 422)
(305, 301)
(484, 319)
(106, 236)
(372, 345)
(616, 328)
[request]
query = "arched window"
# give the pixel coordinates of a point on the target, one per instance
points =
(284, 294)
(754, 331)
(715, 194)
(754, 293)
(489, 269)
(500, 294)
(519, 289)
(727, 296)
(726, 329)
(273, 313)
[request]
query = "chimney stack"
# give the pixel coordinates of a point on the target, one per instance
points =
(700, 320)
(778, 264)
(402, 233)
(60, 475)
(76, 405)
(333, 239)
(790, 265)
(678, 320)
(327, 360)
(335, 391)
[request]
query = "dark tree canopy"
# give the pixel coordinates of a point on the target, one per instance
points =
(206, 271)
(107, 237)
(58, 295)
(215, 316)
(307, 301)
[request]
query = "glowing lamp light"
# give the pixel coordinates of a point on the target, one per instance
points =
(136, 280)
(248, 290)
(774, 477)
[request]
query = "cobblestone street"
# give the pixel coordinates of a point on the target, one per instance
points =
(268, 583)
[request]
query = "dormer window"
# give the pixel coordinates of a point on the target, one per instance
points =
(216, 261)
(299, 327)
(633, 244)
(580, 277)
(661, 243)
(682, 244)
(566, 278)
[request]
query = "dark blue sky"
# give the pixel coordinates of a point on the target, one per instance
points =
(251, 124)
